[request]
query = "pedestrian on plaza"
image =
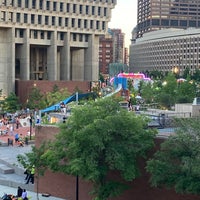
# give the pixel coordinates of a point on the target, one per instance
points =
(27, 172)
(24, 195)
(17, 123)
(16, 137)
(19, 192)
(11, 130)
(21, 141)
(31, 176)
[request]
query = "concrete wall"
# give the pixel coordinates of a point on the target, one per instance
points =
(188, 108)
(64, 186)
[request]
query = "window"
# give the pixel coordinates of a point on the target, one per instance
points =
(32, 19)
(21, 33)
(73, 22)
(48, 35)
(26, 3)
(79, 23)
(74, 8)
(33, 4)
(41, 4)
(61, 7)
(60, 21)
(74, 36)
(80, 9)
(66, 22)
(85, 23)
(54, 6)
(87, 10)
(93, 10)
(35, 34)
(19, 3)
(48, 5)
(25, 18)
(68, 7)
(53, 20)
(39, 19)
(46, 20)
(18, 17)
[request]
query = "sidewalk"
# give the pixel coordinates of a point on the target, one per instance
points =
(8, 154)
(33, 195)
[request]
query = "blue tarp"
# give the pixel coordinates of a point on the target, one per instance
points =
(66, 101)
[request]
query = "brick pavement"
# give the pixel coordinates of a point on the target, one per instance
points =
(23, 131)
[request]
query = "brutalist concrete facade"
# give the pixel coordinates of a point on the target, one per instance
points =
(51, 40)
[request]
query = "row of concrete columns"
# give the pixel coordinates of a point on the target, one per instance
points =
(71, 61)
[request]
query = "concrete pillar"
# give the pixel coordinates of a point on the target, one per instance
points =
(7, 60)
(91, 71)
(25, 57)
(78, 65)
(65, 59)
(52, 58)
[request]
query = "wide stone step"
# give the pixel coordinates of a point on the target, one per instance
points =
(4, 169)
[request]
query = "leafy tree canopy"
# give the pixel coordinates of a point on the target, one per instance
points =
(11, 103)
(177, 164)
(98, 138)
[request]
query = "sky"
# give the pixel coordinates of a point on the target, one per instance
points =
(124, 17)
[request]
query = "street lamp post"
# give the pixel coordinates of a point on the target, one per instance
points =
(31, 123)
(77, 187)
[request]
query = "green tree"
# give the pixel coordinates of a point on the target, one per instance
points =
(35, 99)
(177, 163)
(186, 92)
(57, 95)
(35, 158)
(168, 93)
(11, 103)
(99, 138)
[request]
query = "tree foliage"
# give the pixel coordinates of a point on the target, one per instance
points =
(99, 138)
(55, 96)
(35, 158)
(35, 99)
(11, 103)
(177, 163)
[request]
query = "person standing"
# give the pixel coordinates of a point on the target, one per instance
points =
(24, 195)
(19, 192)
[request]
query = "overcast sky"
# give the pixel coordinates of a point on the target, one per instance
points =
(124, 16)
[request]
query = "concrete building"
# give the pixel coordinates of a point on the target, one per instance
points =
(167, 50)
(51, 40)
(166, 37)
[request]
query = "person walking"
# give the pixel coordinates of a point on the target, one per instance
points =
(31, 176)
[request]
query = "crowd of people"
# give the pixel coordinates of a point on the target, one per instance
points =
(21, 195)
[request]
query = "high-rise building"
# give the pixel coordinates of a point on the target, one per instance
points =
(118, 45)
(112, 50)
(50, 39)
(167, 36)
(105, 53)
(159, 14)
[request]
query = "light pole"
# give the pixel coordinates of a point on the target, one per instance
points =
(77, 187)
(31, 123)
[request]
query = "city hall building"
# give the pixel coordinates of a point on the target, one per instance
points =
(51, 40)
